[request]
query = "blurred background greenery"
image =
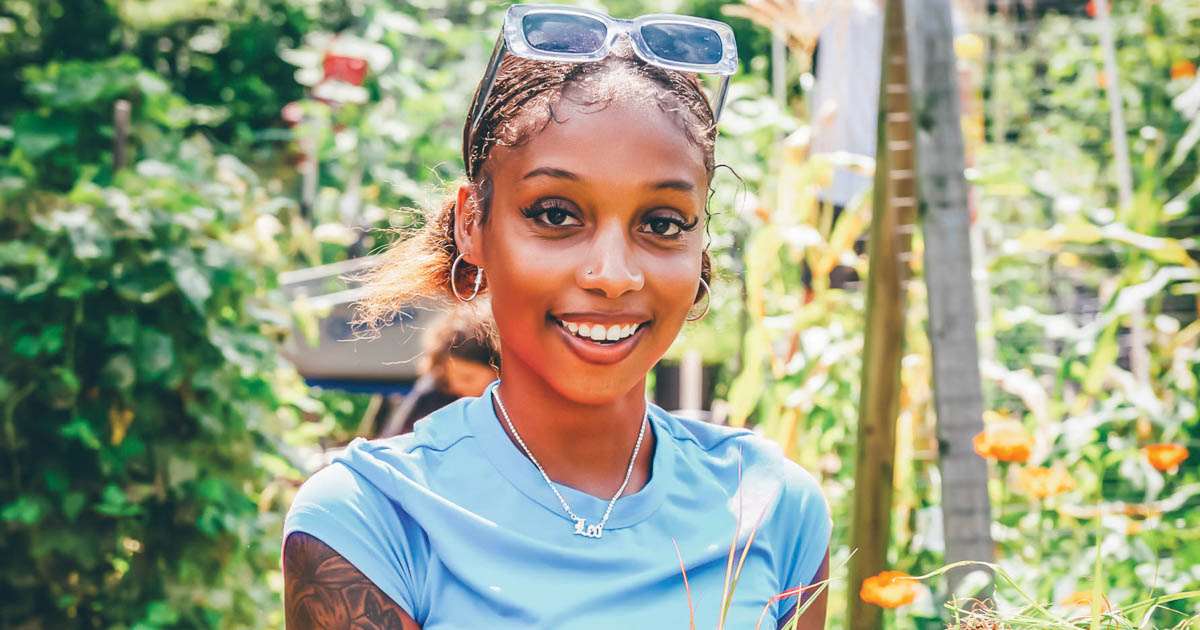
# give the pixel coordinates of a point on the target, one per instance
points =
(153, 436)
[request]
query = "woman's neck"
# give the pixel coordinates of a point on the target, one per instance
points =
(584, 446)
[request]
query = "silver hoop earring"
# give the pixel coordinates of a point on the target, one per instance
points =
(707, 302)
(478, 280)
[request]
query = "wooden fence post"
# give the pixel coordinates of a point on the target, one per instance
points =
(945, 221)
(120, 133)
(888, 253)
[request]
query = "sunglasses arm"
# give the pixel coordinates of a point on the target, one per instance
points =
(485, 89)
(721, 92)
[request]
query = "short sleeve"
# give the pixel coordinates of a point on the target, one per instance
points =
(804, 528)
(351, 516)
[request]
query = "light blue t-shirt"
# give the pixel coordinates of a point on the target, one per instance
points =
(457, 526)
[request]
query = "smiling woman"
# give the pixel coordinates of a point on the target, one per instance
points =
(562, 498)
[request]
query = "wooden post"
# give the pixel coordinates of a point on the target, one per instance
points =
(888, 247)
(958, 400)
(1139, 352)
(120, 133)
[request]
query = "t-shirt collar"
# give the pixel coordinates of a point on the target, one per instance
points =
(512, 463)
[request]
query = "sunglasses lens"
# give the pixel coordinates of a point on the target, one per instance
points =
(558, 33)
(684, 43)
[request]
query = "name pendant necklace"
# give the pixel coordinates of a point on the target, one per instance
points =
(581, 526)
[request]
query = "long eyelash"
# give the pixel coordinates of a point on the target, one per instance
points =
(541, 206)
(683, 227)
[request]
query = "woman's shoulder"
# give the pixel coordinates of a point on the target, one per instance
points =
(742, 452)
(366, 467)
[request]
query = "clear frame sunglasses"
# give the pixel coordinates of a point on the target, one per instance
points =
(561, 33)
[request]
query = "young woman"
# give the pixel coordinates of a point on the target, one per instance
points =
(562, 498)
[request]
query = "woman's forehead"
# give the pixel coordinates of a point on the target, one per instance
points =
(622, 140)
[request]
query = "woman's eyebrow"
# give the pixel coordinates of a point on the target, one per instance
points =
(667, 184)
(674, 184)
(551, 172)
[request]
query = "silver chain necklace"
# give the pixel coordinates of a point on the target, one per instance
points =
(581, 526)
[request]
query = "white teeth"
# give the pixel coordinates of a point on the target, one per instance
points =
(599, 332)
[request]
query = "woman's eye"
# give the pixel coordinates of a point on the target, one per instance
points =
(664, 226)
(554, 216)
(553, 213)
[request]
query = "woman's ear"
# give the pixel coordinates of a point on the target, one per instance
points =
(466, 224)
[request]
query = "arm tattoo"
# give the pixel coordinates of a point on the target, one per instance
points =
(323, 591)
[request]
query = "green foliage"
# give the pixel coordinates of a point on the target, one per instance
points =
(68, 135)
(144, 405)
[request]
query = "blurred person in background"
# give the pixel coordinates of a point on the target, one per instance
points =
(460, 359)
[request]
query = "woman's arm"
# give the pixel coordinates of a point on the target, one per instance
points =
(814, 616)
(323, 591)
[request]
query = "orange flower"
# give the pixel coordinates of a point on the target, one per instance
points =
(1102, 80)
(889, 589)
(1044, 482)
(1084, 598)
(1165, 456)
(1183, 69)
(1005, 443)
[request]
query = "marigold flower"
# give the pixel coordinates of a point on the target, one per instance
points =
(1006, 443)
(1165, 456)
(889, 589)
(1084, 598)
(1183, 69)
(1044, 482)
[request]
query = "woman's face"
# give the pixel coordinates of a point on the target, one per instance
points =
(592, 246)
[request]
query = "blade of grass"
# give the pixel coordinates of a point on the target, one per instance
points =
(1098, 569)
(732, 548)
(998, 570)
(798, 592)
(687, 588)
(742, 561)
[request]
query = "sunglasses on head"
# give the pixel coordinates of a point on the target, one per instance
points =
(560, 33)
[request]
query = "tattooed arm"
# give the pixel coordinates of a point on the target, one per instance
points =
(323, 591)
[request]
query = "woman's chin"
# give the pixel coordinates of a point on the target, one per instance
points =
(598, 388)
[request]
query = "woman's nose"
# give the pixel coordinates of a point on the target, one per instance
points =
(610, 267)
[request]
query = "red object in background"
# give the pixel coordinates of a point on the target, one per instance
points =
(349, 69)
(1091, 8)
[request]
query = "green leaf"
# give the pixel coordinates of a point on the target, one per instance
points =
(88, 239)
(161, 614)
(24, 510)
(194, 285)
(36, 136)
(155, 352)
(119, 372)
(122, 329)
(52, 339)
(27, 346)
(115, 503)
(80, 429)
(73, 503)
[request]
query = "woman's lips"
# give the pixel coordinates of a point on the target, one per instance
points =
(600, 352)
